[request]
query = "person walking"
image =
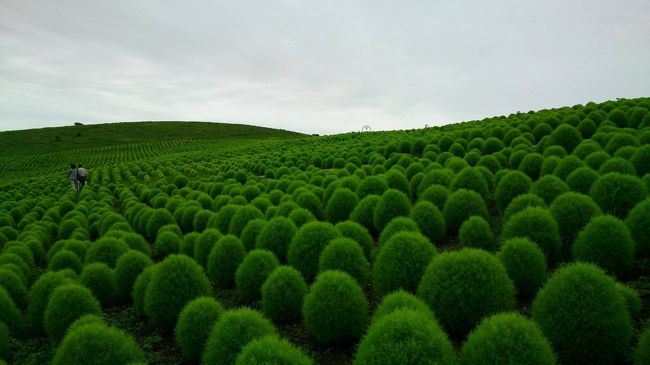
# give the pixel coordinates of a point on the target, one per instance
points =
(82, 175)
(73, 175)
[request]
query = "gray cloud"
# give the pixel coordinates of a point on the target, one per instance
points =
(317, 67)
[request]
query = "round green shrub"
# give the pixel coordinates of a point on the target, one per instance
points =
(140, 287)
(583, 315)
(127, 269)
(276, 236)
(200, 221)
(5, 343)
(397, 224)
(340, 205)
(632, 300)
(14, 286)
(520, 203)
(642, 350)
(170, 228)
(250, 233)
(167, 243)
(96, 344)
(464, 286)
(401, 262)
(429, 220)
(641, 160)
(100, 280)
(436, 194)
(309, 201)
(204, 245)
(175, 281)
(300, 216)
(572, 211)
(234, 330)
(306, 246)
(67, 303)
(40, 294)
(400, 299)
(65, 260)
(475, 232)
(538, 225)
(461, 205)
(405, 336)
(607, 242)
(221, 220)
(244, 215)
(359, 234)
(344, 254)
(638, 222)
(531, 165)
(253, 272)
(470, 178)
(9, 313)
(158, 218)
(582, 179)
(372, 185)
(566, 136)
(106, 250)
(525, 264)
(549, 187)
(272, 350)
(282, 295)
(338, 295)
(597, 159)
(364, 212)
(194, 325)
(393, 203)
(617, 164)
(507, 338)
(85, 320)
(617, 194)
(225, 257)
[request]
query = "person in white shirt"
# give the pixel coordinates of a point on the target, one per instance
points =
(82, 175)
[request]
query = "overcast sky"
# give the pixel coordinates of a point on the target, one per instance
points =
(314, 66)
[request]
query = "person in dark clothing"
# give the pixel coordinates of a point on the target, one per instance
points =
(72, 175)
(82, 175)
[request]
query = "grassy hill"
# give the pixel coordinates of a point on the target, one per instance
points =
(39, 152)
(45, 140)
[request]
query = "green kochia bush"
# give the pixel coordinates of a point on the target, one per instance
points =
(250, 233)
(631, 298)
(642, 350)
(583, 315)
(9, 313)
(338, 295)
(160, 217)
(511, 185)
(225, 257)
(638, 221)
(194, 325)
(582, 179)
(97, 344)
(549, 187)
(234, 330)
(272, 350)
(393, 203)
(67, 303)
(617, 194)
(5, 346)
(464, 286)
(128, 267)
(346, 255)
(476, 232)
(364, 212)
(174, 282)
(359, 234)
(275, 236)
(244, 215)
(520, 203)
(461, 205)
(397, 300)
(525, 264)
(106, 250)
(606, 241)
(14, 286)
(401, 263)
(507, 338)
(283, 293)
(39, 296)
(398, 224)
(538, 225)
(429, 220)
(252, 273)
(306, 246)
(405, 336)
(572, 211)
(100, 280)
(140, 288)
(204, 245)
(167, 243)
(340, 205)
(85, 320)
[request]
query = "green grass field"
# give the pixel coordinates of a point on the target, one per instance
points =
(515, 239)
